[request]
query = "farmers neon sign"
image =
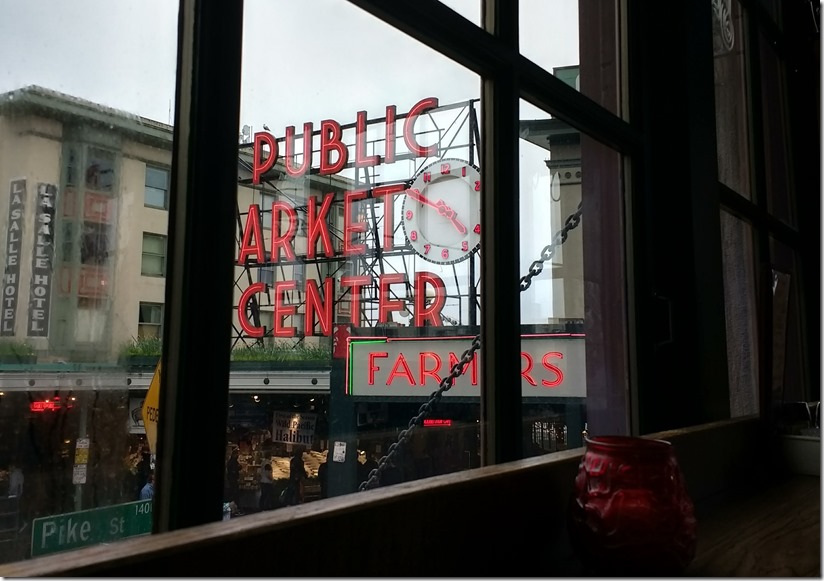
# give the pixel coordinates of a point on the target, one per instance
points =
(552, 365)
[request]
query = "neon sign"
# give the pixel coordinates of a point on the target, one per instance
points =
(552, 365)
(319, 301)
(49, 405)
(430, 422)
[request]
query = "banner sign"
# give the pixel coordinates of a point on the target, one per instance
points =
(42, 261)
(552, 365)
(11, 275)
(135, 421)
(292, 428)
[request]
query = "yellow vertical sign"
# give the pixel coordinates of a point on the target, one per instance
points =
(151, 410)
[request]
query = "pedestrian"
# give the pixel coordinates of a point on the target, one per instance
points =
(233, 476)
(16, 480)
(365, 469)
(16, 494)
(144, 466)
(323, 476)
(267, 488)
(147, 492)
(391, 474)
(297, 479)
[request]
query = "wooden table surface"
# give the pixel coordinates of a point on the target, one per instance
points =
(776, 533)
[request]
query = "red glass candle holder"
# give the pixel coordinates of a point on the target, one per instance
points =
(630, 513)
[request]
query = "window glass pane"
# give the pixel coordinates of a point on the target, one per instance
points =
(152, 265)
(100, 170)
(774, 117)
(731, 99)
(156, 191)
(150, 320)
(773, 8)
(789, 380)
(549, 36)
(154, 244)
(565, 350)
(80, 116)
(157, 178)
(155, 197)
(741, 314)
(352, 255)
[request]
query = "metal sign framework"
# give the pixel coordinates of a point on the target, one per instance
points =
(455, 129)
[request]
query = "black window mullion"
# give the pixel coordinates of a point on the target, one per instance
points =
(195, 362)
(562, 101)
(436, 25)
(764, 295)
(501, 409)
(486, 51)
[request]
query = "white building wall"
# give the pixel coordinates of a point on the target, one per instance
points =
(31, 149)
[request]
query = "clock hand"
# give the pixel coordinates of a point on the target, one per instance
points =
(442, 208)
(452, 216)
(416, 194)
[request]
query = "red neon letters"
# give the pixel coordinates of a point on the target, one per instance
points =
(334, 154)
(427, 369)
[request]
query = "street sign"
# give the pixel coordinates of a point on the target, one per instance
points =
(81, 459)
(79, 474)
(73, 530)
(151, 410)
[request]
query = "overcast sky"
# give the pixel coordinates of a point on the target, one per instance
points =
(303, 61)
(121, 53)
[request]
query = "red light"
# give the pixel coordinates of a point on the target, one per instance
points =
(436, 422)
(48, 405)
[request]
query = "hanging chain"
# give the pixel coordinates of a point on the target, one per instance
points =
(458, 369)
(560, 237)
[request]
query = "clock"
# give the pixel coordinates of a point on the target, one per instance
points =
(441, 214)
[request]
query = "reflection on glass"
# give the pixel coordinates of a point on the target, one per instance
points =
(79, 138)
(731, 111)
(561, 331)
(552, 306)
(356, 286)
(788, 366)
(775, 122)
(549, 36)
(741, 315)
(577, 42)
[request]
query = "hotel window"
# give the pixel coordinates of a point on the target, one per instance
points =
(299, 274)
(100, 173)
(150, 320)
(156, 192)
(266, 274)
(154, 255)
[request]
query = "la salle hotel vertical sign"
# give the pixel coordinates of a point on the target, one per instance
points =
(42, 261)
(11, 274)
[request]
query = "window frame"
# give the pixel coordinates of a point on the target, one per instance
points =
(140, 324)
(164, 256)
(165, 204)
(196, 355)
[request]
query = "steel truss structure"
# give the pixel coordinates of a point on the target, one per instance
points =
(454, 127)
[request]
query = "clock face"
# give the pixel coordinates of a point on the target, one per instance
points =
(442, 211)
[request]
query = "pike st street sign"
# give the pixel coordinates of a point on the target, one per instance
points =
(73, 530)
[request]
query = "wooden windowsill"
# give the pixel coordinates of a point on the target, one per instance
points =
(775, 532)
(505, 519)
